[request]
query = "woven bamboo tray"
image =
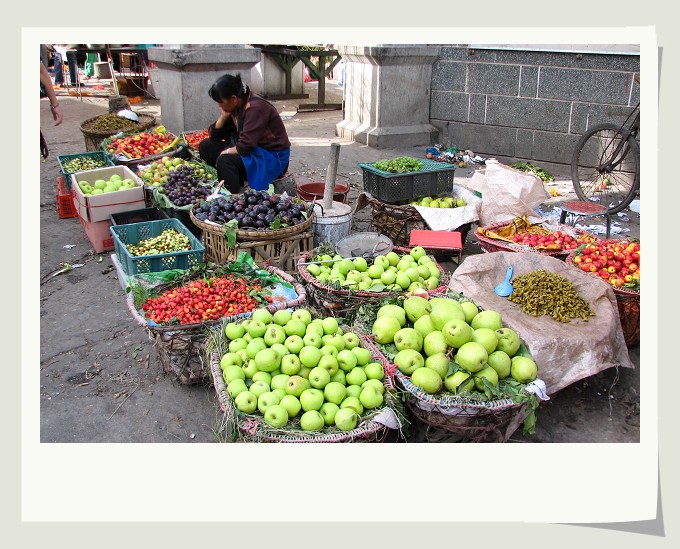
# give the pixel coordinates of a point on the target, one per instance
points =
(494, 245)
(181, 348)
(343, 302)
(94, 139)
(628, 304)
(252, 428)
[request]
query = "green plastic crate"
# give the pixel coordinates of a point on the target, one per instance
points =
(434, 178)
(65, 158)
(134, 233)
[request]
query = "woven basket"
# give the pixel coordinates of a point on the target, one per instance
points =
(343, 303)
(495, 245)
(94, 139)
(252, 428)
(181, 348)
(628, 304)
(397, 222)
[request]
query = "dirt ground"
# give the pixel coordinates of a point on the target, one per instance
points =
(100, 379)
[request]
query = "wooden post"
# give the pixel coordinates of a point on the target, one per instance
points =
(331, 173)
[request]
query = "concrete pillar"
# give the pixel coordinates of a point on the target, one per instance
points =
(387, 95)
(186, 72)
(269, 80)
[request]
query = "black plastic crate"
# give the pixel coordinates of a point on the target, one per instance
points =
(435, 178)
(138, 216)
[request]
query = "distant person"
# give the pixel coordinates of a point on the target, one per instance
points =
(47, 90)
(61, 52)
(248, 143)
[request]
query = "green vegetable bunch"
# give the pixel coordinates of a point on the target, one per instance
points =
(401, 164)
(529, 167)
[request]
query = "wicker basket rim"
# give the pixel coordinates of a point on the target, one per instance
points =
(307, 276)
(632, 293)
(142, 125)
(272, 234)
(272, 307)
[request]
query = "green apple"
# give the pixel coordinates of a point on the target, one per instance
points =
(457, 332)
(353, 402)
(310, 355)
(405, 262)
(393, 258)
(295, 385)
(339, 376)
(439, 363)
(263, 376)
(267, 399)
(423, 272)
(370, 397)
(335, 392)
(303, 314)
(508, 341)
(487, 337)
(99, 184)
(376, 271)
(246, 402)
(434, 271)
(319, 377)
(330, 325)
(295, 327)
(393, 310)
(346, 419)
(311, 399)
(267, 360)
(434, 343)
(249, 368)
(402, 280)
(263, 315)
(344, 266)
(425, 260)
(356, 376)
(347, 360)
(413, 274)
(304, 372)
(294, 344)
(237, 344)
(291, 404)
(472, 356)
(388, 277)
(351, 340)
(279, 381)
(328, 363)
(274, 334)
(381, 261)
(234, 330)
(312, 339)
(336, 341)
(374, 383)
(459, 382)
(256, 328)
(501, 362)
(427, 379)
(363, 355)
(330, 350)
(408, 360)
(417, 252)
(275, 415)
(470, 310)
(523, 369)
(487, 319)
(232, 372)
(487, 373)
(231, 359)
(312, 420)
(354, 390)
(235, 387)
(374, 370)
(328, 411)
(416, 307)
(290, 364)
(408, 338)
(360, 264)
(282, 317)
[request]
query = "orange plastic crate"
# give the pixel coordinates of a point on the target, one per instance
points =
(65, 206)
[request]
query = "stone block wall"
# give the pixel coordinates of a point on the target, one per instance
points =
(528, 105)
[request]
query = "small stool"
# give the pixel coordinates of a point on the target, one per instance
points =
(438, 241)
(584, 209)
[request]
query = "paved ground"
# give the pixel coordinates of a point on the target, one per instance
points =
(100, 380)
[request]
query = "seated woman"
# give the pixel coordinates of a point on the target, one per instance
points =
(248, 143)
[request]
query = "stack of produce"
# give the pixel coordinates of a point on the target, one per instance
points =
(170, 240)
(157, 172)
(293, 376)
(142, 144)
(614, 261)
(193, 139)
(437, 202)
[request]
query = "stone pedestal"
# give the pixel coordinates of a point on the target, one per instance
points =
(185, 75)
(387, 95)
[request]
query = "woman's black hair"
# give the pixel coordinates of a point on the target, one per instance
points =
(226, 86)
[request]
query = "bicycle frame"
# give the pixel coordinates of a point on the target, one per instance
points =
(621, 150)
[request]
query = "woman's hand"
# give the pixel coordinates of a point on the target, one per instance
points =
(229, 150)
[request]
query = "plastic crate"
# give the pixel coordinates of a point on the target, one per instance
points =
(136, 232)
(138, 216)
(65, 207)
(64, 159)
(435, 178)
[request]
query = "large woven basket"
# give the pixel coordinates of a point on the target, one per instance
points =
(397, 222)
(628, 305)
(181, 348)
(252, 428)
(94, 139)
(344, 303)
(495, 245)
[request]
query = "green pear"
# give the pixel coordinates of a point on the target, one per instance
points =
(424, 325)
(395, 311)
(416, 307)
(444, 310)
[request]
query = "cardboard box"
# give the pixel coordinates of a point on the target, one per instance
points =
(99, 207)
(99, 234)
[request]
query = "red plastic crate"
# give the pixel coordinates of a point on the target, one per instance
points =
(65, 207)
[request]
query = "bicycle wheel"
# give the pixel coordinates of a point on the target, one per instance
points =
(597, 176)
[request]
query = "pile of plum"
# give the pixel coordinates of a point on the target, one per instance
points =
(253, 210)
(184, 187)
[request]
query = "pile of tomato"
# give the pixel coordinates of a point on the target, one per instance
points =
(194, 138)
(556, 240)
(142, 144)
(204, 300)
(614, 261)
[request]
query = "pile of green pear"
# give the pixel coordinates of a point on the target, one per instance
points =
(299, 372)
(446, 345)
(392, 272)
(438, 202)
(101, 186)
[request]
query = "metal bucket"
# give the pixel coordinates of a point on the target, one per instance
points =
(332, 225)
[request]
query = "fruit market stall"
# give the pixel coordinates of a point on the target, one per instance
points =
(178, 307)
(98, 128)
(297, 376)
(568, 319)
